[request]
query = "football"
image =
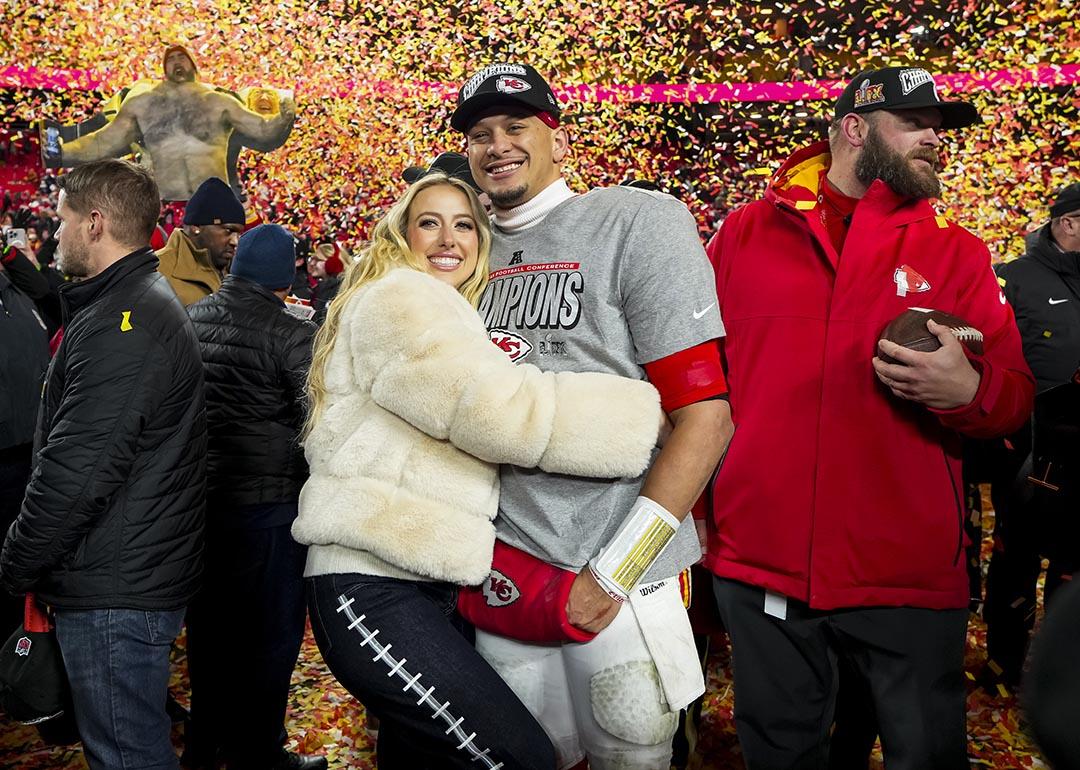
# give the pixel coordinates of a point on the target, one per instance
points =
(909, 330)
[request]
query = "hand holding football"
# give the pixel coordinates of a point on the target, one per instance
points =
(909, 330)
(943, 378)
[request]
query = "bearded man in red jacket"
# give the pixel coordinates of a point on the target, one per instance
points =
(838, 513)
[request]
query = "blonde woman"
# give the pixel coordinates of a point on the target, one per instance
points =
(412, 407)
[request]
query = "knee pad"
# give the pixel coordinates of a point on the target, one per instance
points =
(628, 703)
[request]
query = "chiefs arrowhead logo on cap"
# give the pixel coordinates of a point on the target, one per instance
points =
(508, 84)
(908, 281)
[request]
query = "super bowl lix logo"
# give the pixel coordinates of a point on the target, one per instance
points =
(867, 93)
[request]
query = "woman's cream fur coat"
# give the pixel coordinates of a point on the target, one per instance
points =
(421, 410)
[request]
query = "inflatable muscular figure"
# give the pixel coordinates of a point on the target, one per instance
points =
(186, 130)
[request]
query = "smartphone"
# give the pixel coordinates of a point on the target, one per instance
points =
(15, 236)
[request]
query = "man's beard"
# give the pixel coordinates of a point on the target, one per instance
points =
(878, 161)
(181, 75)
(507, 199)
(73, 260)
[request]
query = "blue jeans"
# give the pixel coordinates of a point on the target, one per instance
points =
(399, 647)
(118, 664)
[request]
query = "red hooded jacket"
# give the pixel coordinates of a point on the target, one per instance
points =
(833, 491)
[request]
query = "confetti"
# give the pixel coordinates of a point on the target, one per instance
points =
(375, 86)
(707, 99)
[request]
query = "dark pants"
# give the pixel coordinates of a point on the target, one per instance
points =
(1015, 563)
(855, 724)
(244, 633)
(1027, 525)
(785, 675)
(400, 649)
(14, 476)
(118, 664)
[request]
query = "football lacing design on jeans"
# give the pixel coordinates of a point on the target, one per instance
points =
(441, 710)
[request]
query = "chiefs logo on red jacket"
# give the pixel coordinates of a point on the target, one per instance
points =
(908, 281)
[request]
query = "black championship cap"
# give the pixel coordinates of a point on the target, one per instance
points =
(504, 84)
(453, 164)
(1068, 201)
(901, 88)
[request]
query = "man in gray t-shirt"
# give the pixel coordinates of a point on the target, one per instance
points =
(615, 280)
(606, 282)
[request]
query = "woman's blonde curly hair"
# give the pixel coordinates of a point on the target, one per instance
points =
(388, 250)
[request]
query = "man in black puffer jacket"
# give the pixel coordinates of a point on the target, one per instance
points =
(110, 533)
(246, 625)
(1032, 521)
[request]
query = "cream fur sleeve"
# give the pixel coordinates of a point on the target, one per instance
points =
(427, 357)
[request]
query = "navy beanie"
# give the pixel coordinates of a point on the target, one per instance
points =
(214, 203)
(266, 255)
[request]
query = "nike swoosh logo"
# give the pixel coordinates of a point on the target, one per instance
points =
(1057, 301)
(699, 313)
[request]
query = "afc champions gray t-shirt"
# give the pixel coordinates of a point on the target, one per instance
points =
(608, 281)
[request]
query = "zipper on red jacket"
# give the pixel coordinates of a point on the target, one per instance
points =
(812, 222)
(959, 509)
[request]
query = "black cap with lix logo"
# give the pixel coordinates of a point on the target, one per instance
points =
(504, 84)
(901, 88)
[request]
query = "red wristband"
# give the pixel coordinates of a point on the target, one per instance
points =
(689, 376)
